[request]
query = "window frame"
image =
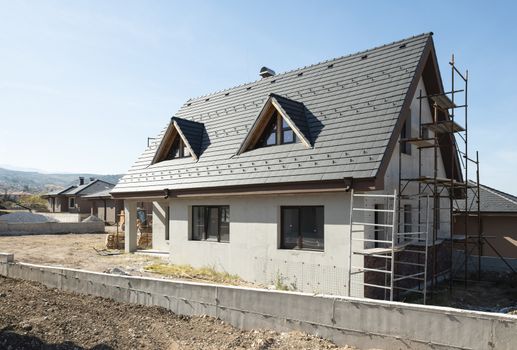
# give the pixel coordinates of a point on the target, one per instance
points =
(405, 146)
(71, 200)
(275, 122)
(300, 235)
(167, 224)
(206, 209)
(181, 146)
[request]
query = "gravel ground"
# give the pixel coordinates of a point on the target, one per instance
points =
(24, 217)
(35, 317)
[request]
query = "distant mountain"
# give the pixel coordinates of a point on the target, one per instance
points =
(36, 182)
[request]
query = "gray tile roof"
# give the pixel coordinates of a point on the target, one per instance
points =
(77, 190)
(492, 201)
(60, 191)
(100, 194)
(352, 104)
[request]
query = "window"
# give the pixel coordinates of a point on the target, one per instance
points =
(71, 202)
(167, 224)
(277, 132)
(178, 149)
(408, 218)
(379, 231)
(405, 147)
(211, 223)
(302, 228)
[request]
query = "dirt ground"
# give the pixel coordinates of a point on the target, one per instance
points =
(74, 251)
(33, 316)
(494, 293)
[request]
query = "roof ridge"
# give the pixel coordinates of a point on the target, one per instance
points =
(190, 100)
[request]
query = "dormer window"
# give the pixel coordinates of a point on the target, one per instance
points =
(178, 149)
(277, 132)
(182, 139)
(281, 121)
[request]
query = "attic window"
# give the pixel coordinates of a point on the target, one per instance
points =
(330, 65)
(300, 74)
(277, 132)
(281, 121)
(402, 46)
(182, 139)
(363, 57)
(178, 149)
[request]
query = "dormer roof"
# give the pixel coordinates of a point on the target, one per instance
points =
(189, 131)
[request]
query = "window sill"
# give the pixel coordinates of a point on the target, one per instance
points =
(208, 240)
(303, 250)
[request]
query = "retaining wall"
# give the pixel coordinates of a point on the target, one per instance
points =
(359, 322)
(14, 229)
(66, 217)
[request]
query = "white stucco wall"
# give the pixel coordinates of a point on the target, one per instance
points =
(253, 251)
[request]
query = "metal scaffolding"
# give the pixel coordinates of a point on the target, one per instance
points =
(444, 138)
(384, 257)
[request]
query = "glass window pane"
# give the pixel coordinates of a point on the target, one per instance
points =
(225, 224)
(290, 228)
(213, 223)
(198, 223)
(311, 221)
(271, 139)
(288, 136)
(186, 152)
(174, 151)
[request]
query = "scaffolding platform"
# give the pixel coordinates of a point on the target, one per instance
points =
(444, 127)
(443, 101)
(421, 142)
(442, 181)
(387, 250)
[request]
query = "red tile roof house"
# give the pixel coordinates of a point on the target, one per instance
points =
(256, 180)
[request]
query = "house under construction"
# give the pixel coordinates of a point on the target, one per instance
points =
(335, 178)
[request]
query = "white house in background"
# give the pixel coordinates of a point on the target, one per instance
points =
(256, 180)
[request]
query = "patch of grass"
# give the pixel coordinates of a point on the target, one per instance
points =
(189, 272)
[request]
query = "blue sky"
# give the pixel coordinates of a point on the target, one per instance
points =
(84, 83)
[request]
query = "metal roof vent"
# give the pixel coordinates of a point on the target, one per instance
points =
(266, 72)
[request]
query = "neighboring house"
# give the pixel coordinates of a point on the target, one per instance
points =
(83, 199)
(498, 215)
(255, 180)
(104, 206)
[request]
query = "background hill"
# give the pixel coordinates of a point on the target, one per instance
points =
(36, 182)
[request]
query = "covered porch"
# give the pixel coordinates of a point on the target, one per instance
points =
(146, 226)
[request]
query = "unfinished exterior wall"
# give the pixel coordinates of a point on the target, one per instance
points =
(409, 165)
(160, 226)
(253, 251)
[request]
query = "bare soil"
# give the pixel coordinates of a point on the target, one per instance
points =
(74, 251)
(33, 316)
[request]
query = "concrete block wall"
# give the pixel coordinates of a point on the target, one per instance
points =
(14, 229)
(359, 322)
